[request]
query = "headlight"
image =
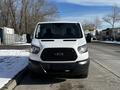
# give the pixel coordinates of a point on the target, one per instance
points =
(35, 49)
(83, 49)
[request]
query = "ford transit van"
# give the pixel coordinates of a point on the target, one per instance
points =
(59, 48)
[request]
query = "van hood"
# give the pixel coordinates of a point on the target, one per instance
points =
(50, 43)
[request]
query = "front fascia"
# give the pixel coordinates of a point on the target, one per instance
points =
(59, 43)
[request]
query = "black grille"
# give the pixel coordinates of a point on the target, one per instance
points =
(58, 54)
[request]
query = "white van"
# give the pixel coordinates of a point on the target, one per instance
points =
(59, 48)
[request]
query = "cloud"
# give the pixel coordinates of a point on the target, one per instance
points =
(92, 2)
(82, 18)
(89, 17)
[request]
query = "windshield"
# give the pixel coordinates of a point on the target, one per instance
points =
(58, 31)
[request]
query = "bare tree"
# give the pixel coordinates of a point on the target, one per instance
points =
(88, 25)
(97, 23)
(93, 24)
(4, 13)
(23, 15)
(113, 18)
(12, 9)
(35, 11)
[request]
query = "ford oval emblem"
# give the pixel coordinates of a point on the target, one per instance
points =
(59, 54)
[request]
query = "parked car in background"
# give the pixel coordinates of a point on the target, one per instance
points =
(88, 37)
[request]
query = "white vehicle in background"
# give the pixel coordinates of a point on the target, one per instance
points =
(59, 48)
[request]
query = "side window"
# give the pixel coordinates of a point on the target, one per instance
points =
(37, 32)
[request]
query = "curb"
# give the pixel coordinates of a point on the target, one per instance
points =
(109, 43)
(15, 81)
(106, 43)
(18, 47)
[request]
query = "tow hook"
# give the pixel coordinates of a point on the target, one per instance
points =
(43, 69)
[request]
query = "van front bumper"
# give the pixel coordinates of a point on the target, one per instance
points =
(60, 69)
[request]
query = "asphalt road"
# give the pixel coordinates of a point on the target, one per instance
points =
(104, 73)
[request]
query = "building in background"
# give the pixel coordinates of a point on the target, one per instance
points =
(107, 34)
(7, 36)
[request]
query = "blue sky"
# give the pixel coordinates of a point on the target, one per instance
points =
(78, 10)
(67, 10)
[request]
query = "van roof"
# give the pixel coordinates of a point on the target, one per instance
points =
(58, 22)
